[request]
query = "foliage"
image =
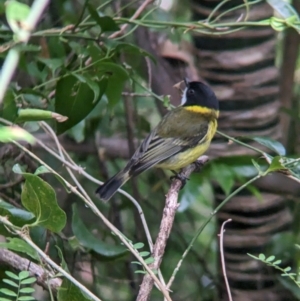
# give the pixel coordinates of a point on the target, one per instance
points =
(19, 289)
(286, 272)
(73, 80)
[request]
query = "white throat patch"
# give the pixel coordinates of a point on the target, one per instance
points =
(183, 98)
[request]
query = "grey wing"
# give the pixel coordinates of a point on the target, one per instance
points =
(155, 149)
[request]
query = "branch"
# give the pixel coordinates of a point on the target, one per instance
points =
(134, 16)
(44, 277)
(11, 62)
(166, 226)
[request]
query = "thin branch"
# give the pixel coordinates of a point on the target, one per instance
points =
(223, 259)
(11, 62)
(201, 228)
(166, 226)
(134, 16)
(98, 213)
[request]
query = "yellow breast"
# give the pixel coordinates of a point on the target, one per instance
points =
(190, 155)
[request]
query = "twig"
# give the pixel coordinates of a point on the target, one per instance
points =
(98, 213)
(223, 259)
(12, 59)
(134, 16)
(201, 228)
(21, 264)
(166, 226)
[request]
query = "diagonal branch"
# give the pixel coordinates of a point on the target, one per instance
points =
(166, 226)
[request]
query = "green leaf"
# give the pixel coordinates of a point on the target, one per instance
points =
(287, 269)
(133, 49)
(277, 262)
(91, 83)
(16, 216)
(53, 64)
(256, 165)
(42, 170)
(8, 292)
(18, 245)
(140, 272)
(68, 291)
(87, 239)
(4, 299)
(17, 213)
(276, 164)
(116, 76)
(287, 11)
(8, 133)
(144, 254)
(270, 258)
(138, 245)
(16, 14)
(29, 280)
(9, 109)
(224, 176)
(10, 282)
(23, 275)
(26, 298)
(106, 23)
(274, 145)
(262, 257)
(149, 260)
(136, 262)
(63, 262)
(27, 290)
(74, 99)
(39, 198)
(38, 115)
(12, 275)
(77, 132)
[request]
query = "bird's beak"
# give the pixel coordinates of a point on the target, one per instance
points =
(186, 81)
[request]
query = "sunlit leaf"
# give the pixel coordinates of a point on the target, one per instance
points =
(39, 198)
(9, 133)
(276, 164)
(16, 14)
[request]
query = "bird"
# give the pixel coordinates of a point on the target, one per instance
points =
(179, 139)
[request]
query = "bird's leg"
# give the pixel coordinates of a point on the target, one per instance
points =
(198, 164)
(179, 176)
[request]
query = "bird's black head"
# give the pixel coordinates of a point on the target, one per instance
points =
(199, 94)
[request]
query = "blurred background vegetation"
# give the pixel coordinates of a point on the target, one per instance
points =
(112, 74)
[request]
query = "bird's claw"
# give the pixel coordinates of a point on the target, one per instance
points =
(180, 177)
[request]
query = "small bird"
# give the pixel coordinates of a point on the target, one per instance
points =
(180, 138)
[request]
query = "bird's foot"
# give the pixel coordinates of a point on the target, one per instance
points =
(180, 177)
(200, 163)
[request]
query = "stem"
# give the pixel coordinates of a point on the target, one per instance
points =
(204, 225)
(241, 143)
(12, 59)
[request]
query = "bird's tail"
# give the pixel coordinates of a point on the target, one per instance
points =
(110, 187)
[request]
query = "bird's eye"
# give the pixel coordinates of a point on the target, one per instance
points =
(191, 92)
